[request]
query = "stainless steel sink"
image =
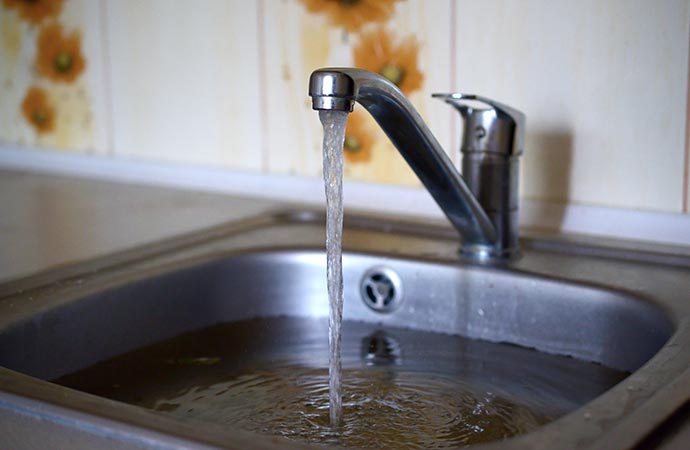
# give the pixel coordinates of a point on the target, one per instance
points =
(619, 305)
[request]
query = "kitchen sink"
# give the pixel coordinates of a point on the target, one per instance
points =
(613, 304)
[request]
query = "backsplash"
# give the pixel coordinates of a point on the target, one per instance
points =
(223, 84)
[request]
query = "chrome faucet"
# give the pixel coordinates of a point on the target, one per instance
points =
(482, 206)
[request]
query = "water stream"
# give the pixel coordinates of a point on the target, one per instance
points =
(333, 140)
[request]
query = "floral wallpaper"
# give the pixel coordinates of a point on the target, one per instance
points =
(222, 84)
(53, 61)
(378, 35)
(399, 40)
(376, 48)
(58, 59)
(36, 11)
(38, 110)
(379, 50)
(352, 15)
(45, 99)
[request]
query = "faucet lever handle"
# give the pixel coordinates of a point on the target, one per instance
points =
(496, 129)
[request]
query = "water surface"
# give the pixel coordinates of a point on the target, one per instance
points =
(404, 388)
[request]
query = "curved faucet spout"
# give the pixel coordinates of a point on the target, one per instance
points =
(339, 88)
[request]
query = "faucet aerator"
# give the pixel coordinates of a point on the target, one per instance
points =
(333, 90)
(332, 104)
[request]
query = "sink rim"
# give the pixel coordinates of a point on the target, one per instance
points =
(671, 395)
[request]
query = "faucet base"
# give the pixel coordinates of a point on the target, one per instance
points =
(483, 254)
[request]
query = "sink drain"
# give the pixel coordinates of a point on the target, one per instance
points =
(381, 289)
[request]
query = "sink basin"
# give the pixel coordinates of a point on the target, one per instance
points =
(621, 307)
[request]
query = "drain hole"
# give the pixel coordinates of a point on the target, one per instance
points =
(381, 289)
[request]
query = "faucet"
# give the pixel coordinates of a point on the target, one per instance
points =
(482, 206)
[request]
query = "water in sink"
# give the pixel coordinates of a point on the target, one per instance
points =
(405, 388)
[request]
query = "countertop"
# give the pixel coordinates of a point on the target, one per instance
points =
(49, 221)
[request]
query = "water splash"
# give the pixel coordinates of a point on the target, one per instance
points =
(333, 140)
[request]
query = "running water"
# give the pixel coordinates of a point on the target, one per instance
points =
(333, 140)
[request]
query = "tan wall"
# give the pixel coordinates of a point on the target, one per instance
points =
(223, 83)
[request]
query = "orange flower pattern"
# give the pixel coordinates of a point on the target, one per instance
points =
(359, 138)
(378, 51)
(35, 11)
(59, 56)
(352, 14)
(38, 110)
